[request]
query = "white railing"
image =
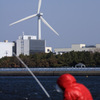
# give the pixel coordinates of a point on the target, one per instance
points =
(50, 69)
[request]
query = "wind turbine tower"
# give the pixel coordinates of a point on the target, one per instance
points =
(40, 18)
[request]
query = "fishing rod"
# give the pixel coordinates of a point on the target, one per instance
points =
(33, 75)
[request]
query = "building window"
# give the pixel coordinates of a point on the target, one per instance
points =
(48, 50)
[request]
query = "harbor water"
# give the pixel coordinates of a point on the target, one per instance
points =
(26, 88)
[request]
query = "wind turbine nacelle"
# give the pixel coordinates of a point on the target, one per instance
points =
(40, 14)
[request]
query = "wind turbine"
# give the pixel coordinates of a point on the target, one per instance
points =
(39, 15)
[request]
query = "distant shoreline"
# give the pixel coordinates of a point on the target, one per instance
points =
(48, 71)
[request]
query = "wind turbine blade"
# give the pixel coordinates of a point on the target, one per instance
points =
(45, 22)
(39, 6)
(23, 19)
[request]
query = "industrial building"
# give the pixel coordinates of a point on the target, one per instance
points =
(28, 44)
(78, 47)
(6, 49)
(25, 44)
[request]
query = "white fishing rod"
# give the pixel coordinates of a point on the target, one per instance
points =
(33, 75)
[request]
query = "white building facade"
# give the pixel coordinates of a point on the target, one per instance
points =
(78, 47)
(6, 49)
(28, 44)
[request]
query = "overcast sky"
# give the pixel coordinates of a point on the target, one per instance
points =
(76, 21)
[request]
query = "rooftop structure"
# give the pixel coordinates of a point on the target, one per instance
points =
(26, 37)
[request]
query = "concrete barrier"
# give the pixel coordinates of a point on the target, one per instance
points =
(49, 71)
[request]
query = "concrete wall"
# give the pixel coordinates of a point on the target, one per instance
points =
(18, 47)
(97, 45)
(26, 47)
(75, 46)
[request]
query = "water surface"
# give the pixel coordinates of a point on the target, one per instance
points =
(26, 88)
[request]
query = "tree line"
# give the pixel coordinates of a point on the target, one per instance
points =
(68, 59)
